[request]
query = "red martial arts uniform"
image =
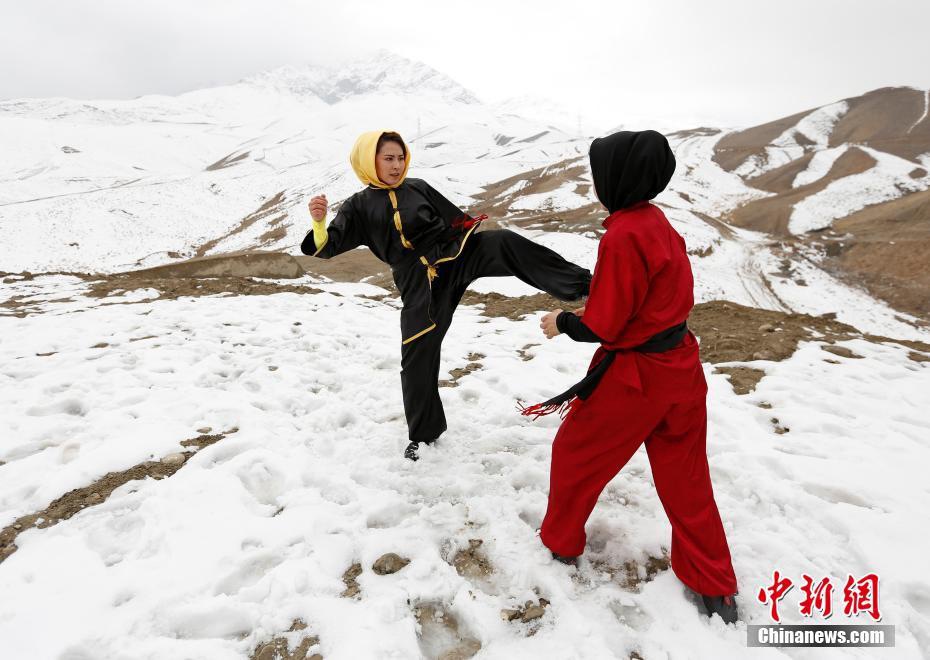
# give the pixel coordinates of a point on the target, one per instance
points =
(642, 285)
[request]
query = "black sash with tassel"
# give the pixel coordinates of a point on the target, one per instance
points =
(658, 343)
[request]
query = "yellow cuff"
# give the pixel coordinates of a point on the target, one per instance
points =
(319, 232)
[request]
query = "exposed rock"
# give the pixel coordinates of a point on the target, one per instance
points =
(350, 579)
(779, 429)
(279, 647)
(174, 459)
(530, 611)
(389, 563)
(276, 265)
(842, 351)
(471, 563)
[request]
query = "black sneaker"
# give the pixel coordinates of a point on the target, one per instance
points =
(411, 451)
(724, 606)
(571, 561)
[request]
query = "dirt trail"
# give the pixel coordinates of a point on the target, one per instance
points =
(77, 500)
(272, 206)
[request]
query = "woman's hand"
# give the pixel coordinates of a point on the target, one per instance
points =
(318, 207)
(579, 312)
(548, 324)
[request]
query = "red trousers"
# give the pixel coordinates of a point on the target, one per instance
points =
(598, 437)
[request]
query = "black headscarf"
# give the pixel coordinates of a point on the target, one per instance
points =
(630, 167)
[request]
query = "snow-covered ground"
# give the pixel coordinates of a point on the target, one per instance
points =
(258, 529)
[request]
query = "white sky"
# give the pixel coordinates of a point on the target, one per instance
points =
(677, 62)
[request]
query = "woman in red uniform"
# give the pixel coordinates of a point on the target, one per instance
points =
(645, 384)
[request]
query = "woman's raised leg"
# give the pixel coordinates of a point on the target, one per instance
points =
(501, 252)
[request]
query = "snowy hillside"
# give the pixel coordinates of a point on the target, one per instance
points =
(849, 184)
(828, 163)
(112, 185)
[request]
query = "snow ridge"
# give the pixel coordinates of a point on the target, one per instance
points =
(815, 128)
(926, 109)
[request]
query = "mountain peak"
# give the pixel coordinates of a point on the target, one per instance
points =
(380, 72)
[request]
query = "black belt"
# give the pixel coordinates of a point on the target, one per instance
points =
(657, 343)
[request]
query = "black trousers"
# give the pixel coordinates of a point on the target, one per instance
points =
(491, 253)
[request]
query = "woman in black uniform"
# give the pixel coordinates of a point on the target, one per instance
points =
(434, 252)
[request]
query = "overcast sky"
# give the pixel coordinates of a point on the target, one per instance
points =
(682, 62)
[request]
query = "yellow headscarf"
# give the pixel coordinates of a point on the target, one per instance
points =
(362, 159)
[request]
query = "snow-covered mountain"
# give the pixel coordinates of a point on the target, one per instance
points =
(111, 185)
(851, 180)
(825, 164)
(382, 73)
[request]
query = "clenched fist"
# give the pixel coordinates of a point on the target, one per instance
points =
(548, 324)
(318, 207)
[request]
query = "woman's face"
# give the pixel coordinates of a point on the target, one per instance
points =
(389, 163)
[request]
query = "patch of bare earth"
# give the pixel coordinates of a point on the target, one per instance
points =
(886, 249)
(471, 562)
(350, 579)
(172, 288)
(632, 575)
(227, 161)
(353, 266)
(441, 635)
(728, 332)
(474, 364)
(77, 500)
(279, 648)
(742, 379)
(26, 304)
(496, 200)
(513, 308)
(528, 612)
(274, 206)
(250, 263)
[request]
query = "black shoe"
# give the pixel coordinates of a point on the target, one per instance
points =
(724, 606)
(571, 561)
(411, 451)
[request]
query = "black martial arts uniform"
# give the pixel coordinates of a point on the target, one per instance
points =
(435, 252)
